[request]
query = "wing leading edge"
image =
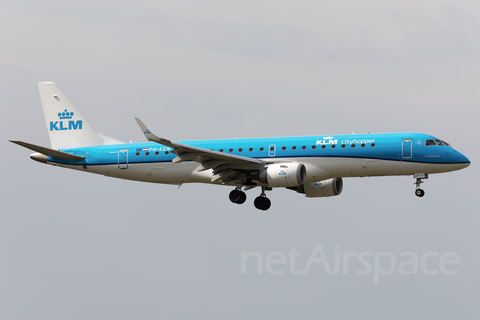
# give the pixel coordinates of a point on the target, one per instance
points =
(226, 167)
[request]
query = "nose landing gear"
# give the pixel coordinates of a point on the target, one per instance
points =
(419, 176)
(419, 192)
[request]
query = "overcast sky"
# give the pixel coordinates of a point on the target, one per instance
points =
(80, 246)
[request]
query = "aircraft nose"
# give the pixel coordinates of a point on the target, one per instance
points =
(462, 160)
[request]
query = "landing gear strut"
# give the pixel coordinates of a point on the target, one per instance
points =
(262, 202)
(419, 176)
(237, 196)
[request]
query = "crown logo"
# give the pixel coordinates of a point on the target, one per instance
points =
(65, 114)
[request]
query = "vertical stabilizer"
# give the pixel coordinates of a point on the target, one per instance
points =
(66, 126)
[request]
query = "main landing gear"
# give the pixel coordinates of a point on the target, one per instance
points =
(419, 176)
(261, 202)
(238, 196)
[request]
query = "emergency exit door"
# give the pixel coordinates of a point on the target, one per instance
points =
(407, 145)
(123, 159)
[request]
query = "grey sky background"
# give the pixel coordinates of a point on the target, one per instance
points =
(80, 246)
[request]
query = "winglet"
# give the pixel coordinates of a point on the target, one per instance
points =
(151, 137)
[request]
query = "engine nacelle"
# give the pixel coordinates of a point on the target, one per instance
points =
(325, 188)
(289, 174)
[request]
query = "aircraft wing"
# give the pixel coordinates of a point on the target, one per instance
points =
(225, 166)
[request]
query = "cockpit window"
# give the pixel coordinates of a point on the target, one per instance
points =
(430, 142)
(441, 142)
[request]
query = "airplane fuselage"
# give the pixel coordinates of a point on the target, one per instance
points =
(359, 155)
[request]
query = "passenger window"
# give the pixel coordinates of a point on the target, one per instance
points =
(230, 150)
(304, 147)
(166, 153)
(323, 146)
(333, 146)
(294, 148)
(373, 145)
(240, 150)
(430, 142)
(261, 149)
(284, 148)
(147, 153)
(137, 154)
(362, 145)
(353, 145)
(251, 149)
(157, 153)
(343, 146)
(272, 148)
(221, 150)
(314, 147)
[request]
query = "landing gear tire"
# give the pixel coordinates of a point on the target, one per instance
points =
(243, 197)
(262, 203)
(237, 196)
(419, 193)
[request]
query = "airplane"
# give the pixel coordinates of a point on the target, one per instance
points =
(311, 165)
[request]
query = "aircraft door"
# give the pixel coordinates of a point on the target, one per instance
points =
(122, 159)
(407, 148)
(271, 150)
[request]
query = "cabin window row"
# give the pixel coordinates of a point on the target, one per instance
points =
(303, 147)
(272, 149)
(148, 153)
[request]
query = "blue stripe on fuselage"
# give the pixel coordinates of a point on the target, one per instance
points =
(387, 146)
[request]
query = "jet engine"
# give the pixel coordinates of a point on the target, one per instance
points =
(289, 174)
(325, 188)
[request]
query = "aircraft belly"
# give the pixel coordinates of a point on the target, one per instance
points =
(375, 168)
(163, 172)
(167, 172)
(318, 169)
(407, 168)
(335, 167)
(358, 167)
(158, 174)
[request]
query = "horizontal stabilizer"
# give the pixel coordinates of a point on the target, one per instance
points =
(49, 152)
